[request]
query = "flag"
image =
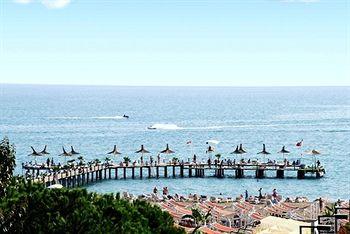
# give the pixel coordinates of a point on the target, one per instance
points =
(188, 142)
(299, 144)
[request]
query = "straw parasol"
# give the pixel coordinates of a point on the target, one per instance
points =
(35, 153)
(72, 151)
(264, 150)
(142, 151)
(210, 149)
(44, 150)
(283, 151)
(241, 149)
(167, 150)
(65, 154)
(237, 151)
(114, 151)
(313, 153)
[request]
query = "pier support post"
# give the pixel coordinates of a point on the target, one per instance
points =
(182, 170)
(133, 172)
(301, 174)
(124, 173)
(280, 173)
(141, 172)
(116, 173)
(149, 172)
(157, 172)
(239, 172)
(101, 174)
(259, 173)
(165, 171)
(105, 173)
(190, 171)
(174, 171)
(109, 173)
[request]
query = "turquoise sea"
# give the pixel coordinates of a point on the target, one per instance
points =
(89, 118)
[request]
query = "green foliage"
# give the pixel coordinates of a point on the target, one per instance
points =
(330, 210)
(127, 159)
(7, 163)
(218, 156)
(31, 208)
(199, 218)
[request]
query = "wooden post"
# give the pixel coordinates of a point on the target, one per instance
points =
(301, 174)
(174, 175)
(165, 171)
(105, 173)
(124, 173)
(190, 171)
(116, 173)
(181, 170)
(109, 173)
(101, 174)
(133, 172)
(140, 172)
(157, 172)
(87, 177)
(149, 171)
(280, 173)
(259, 173)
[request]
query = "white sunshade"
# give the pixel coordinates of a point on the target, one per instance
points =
(215, 142)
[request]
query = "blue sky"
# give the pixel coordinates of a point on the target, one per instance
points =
(175, 42)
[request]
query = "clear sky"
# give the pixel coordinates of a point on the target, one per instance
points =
(175, 42)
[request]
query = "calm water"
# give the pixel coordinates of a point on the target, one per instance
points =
(89, 119)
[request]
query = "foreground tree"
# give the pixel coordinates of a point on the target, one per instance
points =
(7, 164)
(31, 208)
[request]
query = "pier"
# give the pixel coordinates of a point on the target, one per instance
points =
(76, 176)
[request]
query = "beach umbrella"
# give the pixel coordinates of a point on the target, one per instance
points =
(44, 150)
(241, 149)
(35, 153)
(284, 151)
(264, 150)
(167, 150)
(237, 151)
(142, 151)
(73, 151)
(65, 154)
(114, 151)
(210, 149)
(313, 153)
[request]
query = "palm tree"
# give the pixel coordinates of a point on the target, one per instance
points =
(127, 160)
(199, 218)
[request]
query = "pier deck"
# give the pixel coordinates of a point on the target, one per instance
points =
(83, 175)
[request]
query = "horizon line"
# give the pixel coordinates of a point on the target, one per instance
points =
(155, 85)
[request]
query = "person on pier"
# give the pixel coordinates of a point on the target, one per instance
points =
(209, 162)
(194, 158)
(158, 159)
(155, 190)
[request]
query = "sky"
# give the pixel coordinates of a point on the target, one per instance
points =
(175, 42)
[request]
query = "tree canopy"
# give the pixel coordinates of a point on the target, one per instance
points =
(7, 163)
(28, 208)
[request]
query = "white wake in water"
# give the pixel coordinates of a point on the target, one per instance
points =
(165, 127)
(95, 117)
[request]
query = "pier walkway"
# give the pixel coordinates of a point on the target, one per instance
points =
(82, 175)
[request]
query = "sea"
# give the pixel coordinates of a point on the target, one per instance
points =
(90, 119)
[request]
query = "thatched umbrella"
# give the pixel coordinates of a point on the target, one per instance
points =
(35, 154)
(313, 153)
(237, 151)
(264, 150)
(284, 151)
(114, 151)
(44, 150)
(73, 151)
(65, 154)
(241, 149)
(142, 151)
(167, 150)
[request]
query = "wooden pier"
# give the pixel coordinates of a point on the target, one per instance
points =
(83, 175)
